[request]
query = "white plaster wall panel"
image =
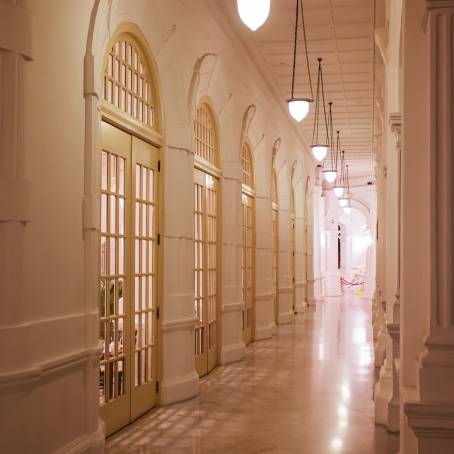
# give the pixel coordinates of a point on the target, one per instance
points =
(23, 431)
(285, 283)
(53, 280)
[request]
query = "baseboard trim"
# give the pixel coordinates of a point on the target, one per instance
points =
(264, 332)
(233, 353)
(179, 388)
(300, 307)
(92, 443)
(286, 318)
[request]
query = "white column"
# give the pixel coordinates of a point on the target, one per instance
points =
(332, 275)
(432, 417)
(309, 232)
(385, 385)
(232, 345)
(285, 286)
(393, 325)
(179, 378)
(300, 252)
(317, 206)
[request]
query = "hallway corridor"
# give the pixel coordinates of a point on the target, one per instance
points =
(307, 390)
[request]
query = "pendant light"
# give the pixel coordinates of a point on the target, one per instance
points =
(344, 201)
(320, 146)
(253, 13)
(339, 185)
(330, 172)
(299, 107)
(338, 191)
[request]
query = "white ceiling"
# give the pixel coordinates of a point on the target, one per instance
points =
(340, 32)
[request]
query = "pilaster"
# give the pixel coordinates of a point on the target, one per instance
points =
(232, 345)
(432, 418)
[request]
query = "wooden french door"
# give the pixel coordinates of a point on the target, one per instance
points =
(205, 270)
(293, 249)
(248, 269)
(275, 227)
(128, 284)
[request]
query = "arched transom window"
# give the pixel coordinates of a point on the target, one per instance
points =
(127, 82)
(248, 169)
(205, 139)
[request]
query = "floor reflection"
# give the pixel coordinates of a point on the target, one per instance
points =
(306, 391)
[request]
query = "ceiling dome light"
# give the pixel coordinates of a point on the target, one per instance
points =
(330, 175)
(253, 13)
(347, 210)
(319, 152)
(298, 108)
(343, 202)
(338, 190)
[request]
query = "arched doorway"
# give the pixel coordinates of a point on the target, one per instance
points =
(292, 246)
(248, 255)
(129, 238)
(206, 237)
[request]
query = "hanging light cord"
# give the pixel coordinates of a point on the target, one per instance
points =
(331, 141)
(342, 170)
(324, 106)
(317, 106)
(295, 45)
(307, 53)
(320, 87)
(295, 42)
(348, 182)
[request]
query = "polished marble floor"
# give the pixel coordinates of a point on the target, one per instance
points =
(308, 390)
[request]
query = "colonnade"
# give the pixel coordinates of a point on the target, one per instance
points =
(413, 304)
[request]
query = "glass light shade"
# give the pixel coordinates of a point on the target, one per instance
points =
(343, 202)
(298, 108)
(347, 210)
(338, 190)
(319, 152)
(330, 175)
(253, 13)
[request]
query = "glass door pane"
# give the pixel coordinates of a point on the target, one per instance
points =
(248, 272)
(114, 396)
(144, 269)
(205, 270)
(275, 214)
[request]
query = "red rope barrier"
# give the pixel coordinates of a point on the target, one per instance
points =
(350, 284)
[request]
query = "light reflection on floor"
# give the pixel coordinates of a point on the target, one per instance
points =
(306, 391)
